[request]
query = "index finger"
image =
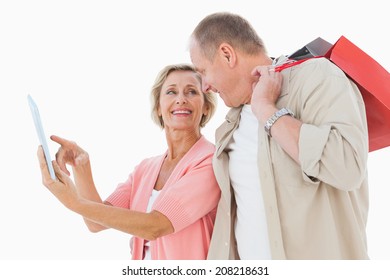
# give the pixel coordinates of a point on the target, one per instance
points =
(60, 140)
(262, 70)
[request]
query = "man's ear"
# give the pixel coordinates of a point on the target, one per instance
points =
(228, 54)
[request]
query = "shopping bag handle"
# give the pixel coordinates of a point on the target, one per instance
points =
(292, 62)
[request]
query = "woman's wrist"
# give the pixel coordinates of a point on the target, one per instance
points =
(82, 167)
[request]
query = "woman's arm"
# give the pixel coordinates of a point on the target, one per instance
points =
(145, 225)
(70, 153)
(149, 226)
(86, 189)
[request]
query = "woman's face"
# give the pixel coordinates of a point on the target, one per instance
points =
(182, 102)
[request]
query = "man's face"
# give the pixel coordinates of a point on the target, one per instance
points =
(216, 75)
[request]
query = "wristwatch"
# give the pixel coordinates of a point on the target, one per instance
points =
(270, 122)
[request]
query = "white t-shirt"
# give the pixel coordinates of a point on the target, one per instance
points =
(152, 199)
(250, 225)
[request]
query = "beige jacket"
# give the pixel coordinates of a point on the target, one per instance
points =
(317, 210)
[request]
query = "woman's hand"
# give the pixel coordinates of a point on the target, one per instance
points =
(69, 153)
(99, 216)
(63, 188)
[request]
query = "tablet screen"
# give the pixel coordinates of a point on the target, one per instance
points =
(41, 134)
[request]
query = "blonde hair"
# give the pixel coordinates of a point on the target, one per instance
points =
(209, 97)
(225, 27)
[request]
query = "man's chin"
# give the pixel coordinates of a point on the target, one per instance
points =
(227, 102)
(230, 104)
(233, 103)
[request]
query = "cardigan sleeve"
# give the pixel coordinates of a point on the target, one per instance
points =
(191, 197)
(122, 194)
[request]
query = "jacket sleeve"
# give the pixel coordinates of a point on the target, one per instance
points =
(333, 144)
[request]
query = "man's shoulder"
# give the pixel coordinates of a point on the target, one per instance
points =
(317, 66)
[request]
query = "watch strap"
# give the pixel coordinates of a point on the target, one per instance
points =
(271, 121)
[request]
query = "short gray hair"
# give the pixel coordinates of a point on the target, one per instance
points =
(224, 27)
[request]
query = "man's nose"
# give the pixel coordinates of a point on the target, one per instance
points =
(205, 86)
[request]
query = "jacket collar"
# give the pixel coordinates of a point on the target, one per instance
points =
(225, 131)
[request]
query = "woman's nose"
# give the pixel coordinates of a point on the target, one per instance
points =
(181, 99)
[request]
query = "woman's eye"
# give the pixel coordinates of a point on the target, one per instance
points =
(169, 92)
(193, 91)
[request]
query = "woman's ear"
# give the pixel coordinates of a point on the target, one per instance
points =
(206, 108)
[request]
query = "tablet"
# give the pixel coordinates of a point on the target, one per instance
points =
(41, 134)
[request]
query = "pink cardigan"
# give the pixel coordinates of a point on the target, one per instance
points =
(189, 200)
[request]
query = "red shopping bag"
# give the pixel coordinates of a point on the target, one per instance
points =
(371, 78)
(374, 84)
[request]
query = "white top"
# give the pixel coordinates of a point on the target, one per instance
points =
(250, 225)
(152, 199)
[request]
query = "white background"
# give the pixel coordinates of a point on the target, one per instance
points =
(90, 65)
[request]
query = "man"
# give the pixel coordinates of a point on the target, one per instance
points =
(291, 157)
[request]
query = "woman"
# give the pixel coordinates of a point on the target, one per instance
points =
(169, 201)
